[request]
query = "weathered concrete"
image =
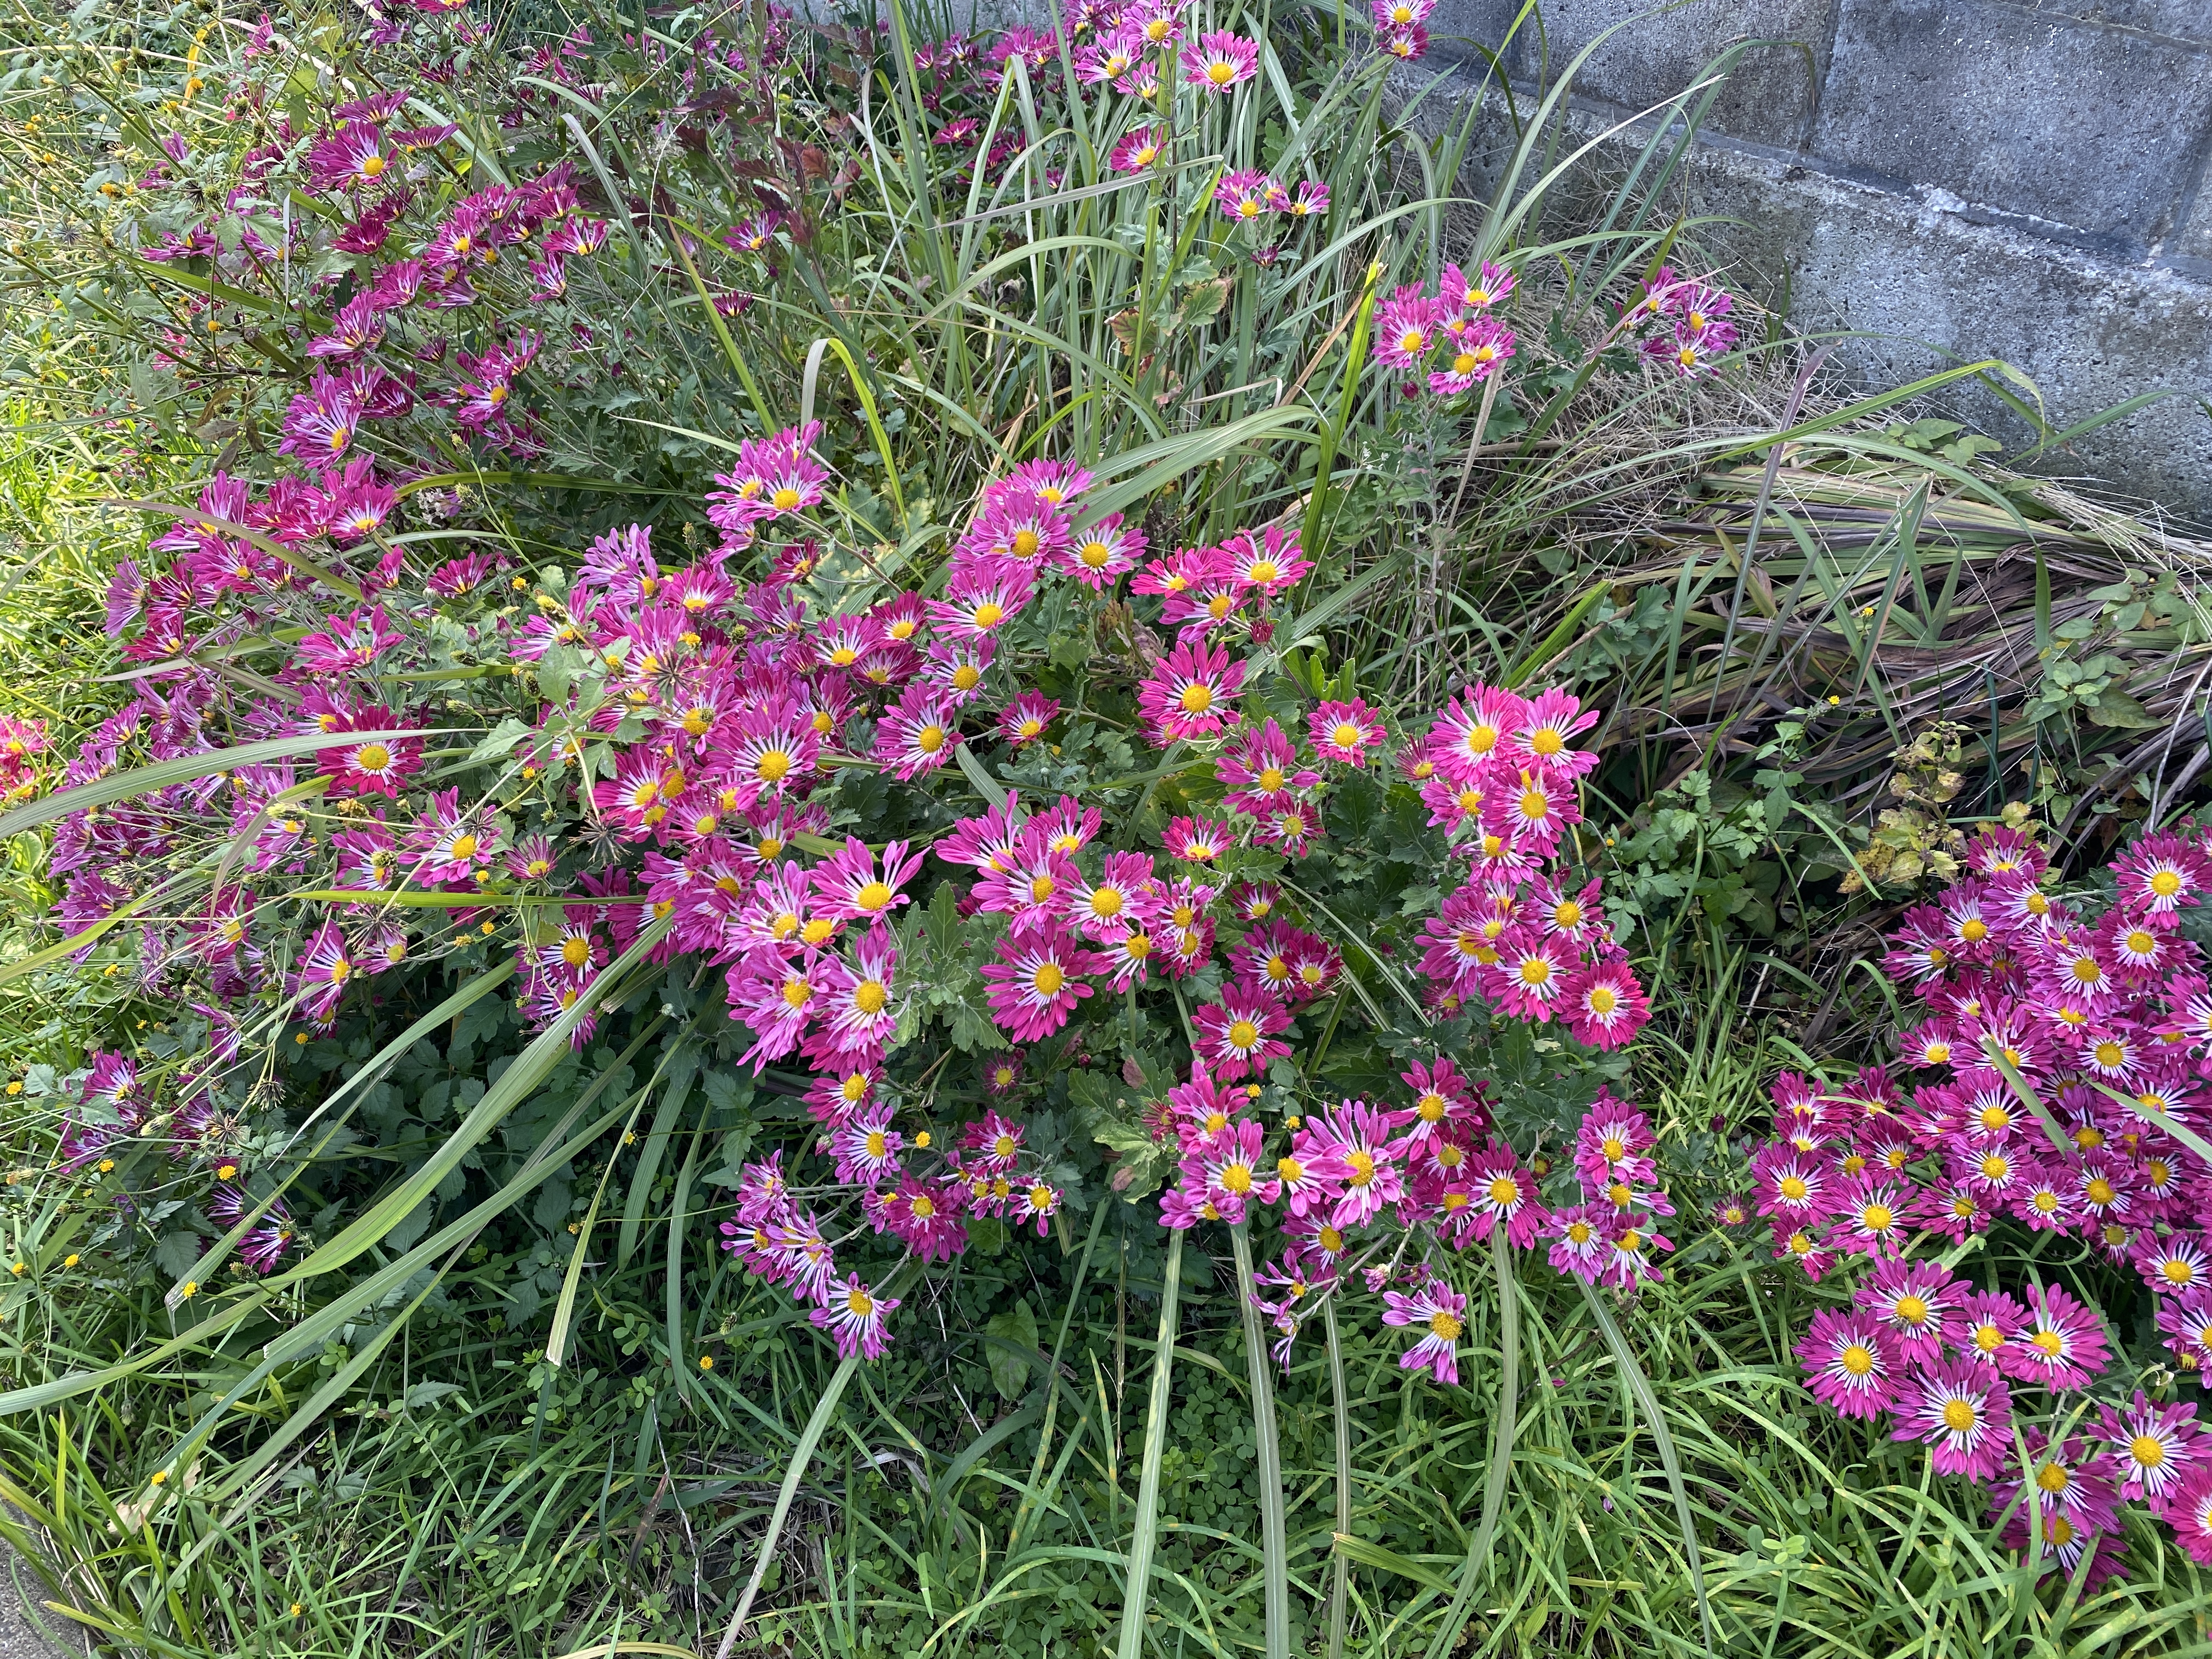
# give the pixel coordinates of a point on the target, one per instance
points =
(1949, 180)
(19, 1635)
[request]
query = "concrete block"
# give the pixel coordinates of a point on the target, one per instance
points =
(2178, 20)
(1770, 96)
(1920, 287)
(1457, 26)
(2096, 130)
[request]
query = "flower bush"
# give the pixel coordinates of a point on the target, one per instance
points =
(2064, 1048)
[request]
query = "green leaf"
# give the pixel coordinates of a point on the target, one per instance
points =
(1011, 1342)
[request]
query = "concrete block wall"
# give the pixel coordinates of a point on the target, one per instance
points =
(2021, 179)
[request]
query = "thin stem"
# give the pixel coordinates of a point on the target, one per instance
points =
(1275, 1551)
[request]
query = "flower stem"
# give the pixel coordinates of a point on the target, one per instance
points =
(1275, 1552)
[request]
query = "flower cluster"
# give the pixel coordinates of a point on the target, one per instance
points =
(1456, 329)
(1680, 322)
(2062, 1049)
(1358, 1180)
(1401, 28)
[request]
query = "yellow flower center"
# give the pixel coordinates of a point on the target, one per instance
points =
(796, 993)
(1196, 699)
(929, 739)
(1857, 1359)
(1912, 1309)
(773, 767)
(575, 950)
(1443, 1325)
(869, 996)
(1959, 1415)
(1505, 1190)
(1048, 978)
(1243, 1035)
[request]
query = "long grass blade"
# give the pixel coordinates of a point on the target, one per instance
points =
(1144, 1529)
(1502, 1434)
(1639, 1386)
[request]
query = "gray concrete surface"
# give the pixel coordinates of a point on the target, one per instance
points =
(1949, 180)
(20, 1637)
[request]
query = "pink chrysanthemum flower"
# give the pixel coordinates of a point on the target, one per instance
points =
(1102, 552)
(1114, 54)
(2189, 1512)
(1919, 1303)
(1476, 353)
(924, 1216)
(1391, 14)
(1197, 841)
(866, 1148)
(1230, 1172)
(1531, 974)
(2155, 1448)
(2062, 1345)
(1407, 45)
(325, 967)
(858, 1004)
(977, 605)
(918, 734)
(1344, 732)
(1406, 328)
(848, 887)
(1105, 909)
(1137, 150)
(1191, 693)
(1439, 1313)
(1964, 1414)
(1245, 193)
(1271, 565)
(1237, 1035)
(1488, 286)
(1220, 62)
(853, 1313)
(1582, 1241)
(1504, 1193)
(352, 157)
(1852, 1361)
(2175, 1265)
(1036, 981)
(1024, 721)
(1604, 1005)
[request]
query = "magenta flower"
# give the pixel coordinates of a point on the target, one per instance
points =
(1964, 1414)
(320, 422)
(2062, 1345)
(1583, 1240)
(1505, 1194)
(1406, 328)
(1220, 61)
(1853, 1363)
(847, 885)
(345, 159)
(1245, 193)
(1197, 841)
(1023, 720)
(917, 733)
(1229, 1171)
(1237, 1035)
(1476, 352)
(1488, 286)
(924, 1216)
(2155, 1449)
(1190, 693)
(1038, 980)
(1919, 1303)
(1344, 732)
(320, 977)
(854, 1316)
(1439, 1314)
(858, 1004)
(1137, 150)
